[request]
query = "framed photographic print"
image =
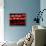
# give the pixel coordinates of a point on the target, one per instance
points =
(17, 19)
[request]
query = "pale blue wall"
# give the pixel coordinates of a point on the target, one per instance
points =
(43, 6)
(28, 6)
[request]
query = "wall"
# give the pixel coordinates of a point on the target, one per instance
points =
(30, 7)
(42, 6)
